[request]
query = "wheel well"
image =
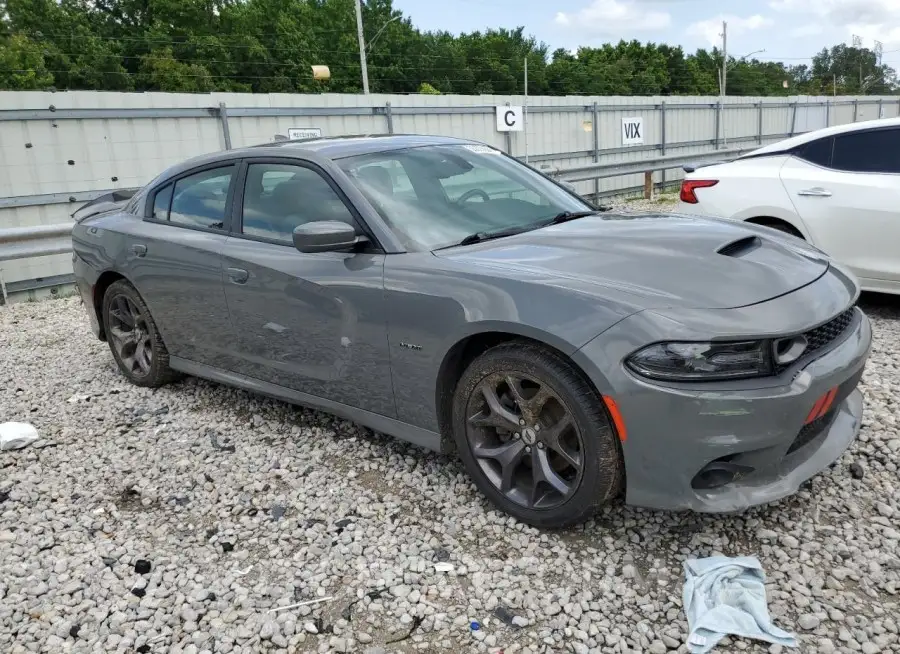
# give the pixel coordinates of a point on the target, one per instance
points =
(103, 282)
(458, 359)
(775, 223)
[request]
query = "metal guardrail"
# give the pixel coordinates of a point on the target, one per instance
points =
(44, 240)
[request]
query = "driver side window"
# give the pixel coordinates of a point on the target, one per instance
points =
(482, 183)
(280, 197)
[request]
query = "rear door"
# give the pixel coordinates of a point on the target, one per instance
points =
(846, 188)
(174, 260)
(314, 323)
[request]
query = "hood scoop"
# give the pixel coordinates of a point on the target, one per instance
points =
(740, 247)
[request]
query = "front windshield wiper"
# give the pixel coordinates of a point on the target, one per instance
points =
(566, 216)
(479, 237)
(561, 217)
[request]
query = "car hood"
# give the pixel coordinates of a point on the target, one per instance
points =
(668, 260)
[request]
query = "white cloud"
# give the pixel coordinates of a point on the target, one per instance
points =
(613, 18)
(711, 29)
(870, 19)
(809, 29)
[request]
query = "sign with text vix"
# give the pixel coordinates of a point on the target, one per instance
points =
(510, 119)
(633, 130)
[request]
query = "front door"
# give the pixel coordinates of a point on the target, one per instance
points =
(314, 323)
(850, 202)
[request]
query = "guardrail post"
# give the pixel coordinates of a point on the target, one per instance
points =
(827, 113)
(3, 288)
(662, 130)
(648, 185)
(389, 116)
(880, 103)
(855, 108)
(759, 124)
(595, 128)
(223, 119)
(793, 119)
(718, 120)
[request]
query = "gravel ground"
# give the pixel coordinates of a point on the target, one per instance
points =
(176, 520)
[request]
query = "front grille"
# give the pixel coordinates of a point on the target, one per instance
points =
(823, 335)
(810, 431)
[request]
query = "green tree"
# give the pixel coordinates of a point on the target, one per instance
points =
(22, 65)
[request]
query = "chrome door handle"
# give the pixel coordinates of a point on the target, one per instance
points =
(817, 192)
(238, 275)
(138, 250)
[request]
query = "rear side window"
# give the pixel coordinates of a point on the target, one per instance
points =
(876, 151)
(198, 200)
(818, 152)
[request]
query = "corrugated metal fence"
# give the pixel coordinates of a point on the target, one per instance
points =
(61, 149)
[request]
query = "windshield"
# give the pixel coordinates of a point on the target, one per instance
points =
(435, 196)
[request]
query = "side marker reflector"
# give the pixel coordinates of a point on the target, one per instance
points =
(616, 416)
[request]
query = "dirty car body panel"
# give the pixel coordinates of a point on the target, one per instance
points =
(371, 334)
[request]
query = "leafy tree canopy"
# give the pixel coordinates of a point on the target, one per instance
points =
(269, 46)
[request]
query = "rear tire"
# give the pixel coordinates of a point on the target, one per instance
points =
(535, 437)
(133, 337)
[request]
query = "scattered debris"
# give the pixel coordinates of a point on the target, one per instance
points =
(142, 566)
(138, 592)
(474, 625)
(74, 629)
(244, 572)
(725, 595)
(444, 567)
(857, 470)
(16, 435)
(294, 606)
(222, 447)
(412, 628)
(75, 399)
(227, 547)
(504, 615)
(441, 554)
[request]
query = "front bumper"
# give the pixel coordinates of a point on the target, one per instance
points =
(676, 432)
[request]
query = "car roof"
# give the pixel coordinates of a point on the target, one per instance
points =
(334, 147)
(806, 137)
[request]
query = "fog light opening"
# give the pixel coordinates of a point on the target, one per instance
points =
(718, 473)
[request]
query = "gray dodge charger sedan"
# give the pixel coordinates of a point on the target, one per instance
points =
(440, 291)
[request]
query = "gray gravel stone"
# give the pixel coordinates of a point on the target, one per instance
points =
(135, 475)
(808, 622)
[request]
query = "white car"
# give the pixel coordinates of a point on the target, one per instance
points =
(838, 188)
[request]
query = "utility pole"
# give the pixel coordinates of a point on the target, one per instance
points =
(362, 48)
(724, 56)
(723, 80)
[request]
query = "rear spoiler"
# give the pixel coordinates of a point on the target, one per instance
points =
(107, 202)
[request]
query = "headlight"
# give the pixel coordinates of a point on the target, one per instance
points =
(702, 361)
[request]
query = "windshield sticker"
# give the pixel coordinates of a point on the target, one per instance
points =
(481, 149)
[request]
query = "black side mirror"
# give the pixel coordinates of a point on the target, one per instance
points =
(325, 236)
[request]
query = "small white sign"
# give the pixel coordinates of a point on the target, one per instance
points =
(509, 119)
(304, 133)
(633, 130)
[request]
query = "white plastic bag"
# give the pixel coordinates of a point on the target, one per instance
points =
(16, 435)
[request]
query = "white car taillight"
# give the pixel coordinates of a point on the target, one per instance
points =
(689, 185)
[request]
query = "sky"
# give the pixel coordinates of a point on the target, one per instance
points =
(787, 30)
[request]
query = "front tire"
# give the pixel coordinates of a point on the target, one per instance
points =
(133, 337)
(535, 437)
